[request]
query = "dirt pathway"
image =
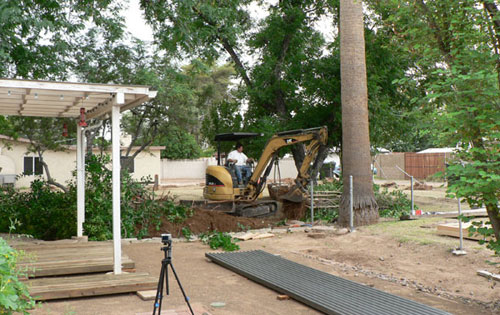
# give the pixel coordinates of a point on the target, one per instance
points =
(425, 273)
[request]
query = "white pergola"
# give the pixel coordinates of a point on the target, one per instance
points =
(66, 99)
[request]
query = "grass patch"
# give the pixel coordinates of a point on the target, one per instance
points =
(414, 231)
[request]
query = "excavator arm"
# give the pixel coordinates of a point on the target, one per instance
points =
(313, 138)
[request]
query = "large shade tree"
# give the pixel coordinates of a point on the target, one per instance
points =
(456, 47)
(356, 156)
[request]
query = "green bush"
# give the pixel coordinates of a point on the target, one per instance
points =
(394, 204)
(219, 240)
(49, 215)
(14, 295)
(139, 207)
(40, 212)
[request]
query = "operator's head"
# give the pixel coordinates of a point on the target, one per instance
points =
(239, 147)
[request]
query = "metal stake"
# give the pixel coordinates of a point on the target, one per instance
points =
(351, 205)
(312, 202)
(461, 237)
(412, 202)
(460, 251)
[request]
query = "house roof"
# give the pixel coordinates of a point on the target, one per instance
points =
(438, 150)
(64, 99)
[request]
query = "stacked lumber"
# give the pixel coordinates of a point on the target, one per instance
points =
(66, 259)
(324, 199)
(57, 266)
(452, 229)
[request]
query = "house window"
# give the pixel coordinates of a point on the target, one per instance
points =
(127, 163)
(32, 166)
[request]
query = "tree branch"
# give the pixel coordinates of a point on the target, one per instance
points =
(227, 46)
(437, 31)
(492, 10)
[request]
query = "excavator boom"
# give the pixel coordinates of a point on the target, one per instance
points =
(313, 138)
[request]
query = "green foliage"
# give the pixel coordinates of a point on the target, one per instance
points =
(14, 295)
(219, 240)
(392, 204)
(179, 144)
(242, 227)
(454, 64)
(483, 229)
(40, 212)
(223, 117)
(186, 232)
(322, 214)
(139, 208)
(47, 214)
(39, 38)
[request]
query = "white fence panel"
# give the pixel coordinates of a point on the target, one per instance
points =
(195, 169)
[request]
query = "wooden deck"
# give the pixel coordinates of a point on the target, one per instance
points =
(69, 269)
(69, 258)
(89, 285)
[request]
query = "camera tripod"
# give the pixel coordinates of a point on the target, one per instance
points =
(167, 261)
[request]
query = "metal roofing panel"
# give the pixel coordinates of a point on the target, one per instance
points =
(320, 290)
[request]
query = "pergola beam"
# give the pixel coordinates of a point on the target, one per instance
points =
(64, 99)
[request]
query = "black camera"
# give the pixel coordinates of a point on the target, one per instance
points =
(166, 239)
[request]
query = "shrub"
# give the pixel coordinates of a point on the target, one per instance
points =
(140, 208)
(40, 212)
(14, 295)
(391, 204)
(49, 215)
(394, 204)
(219, 240)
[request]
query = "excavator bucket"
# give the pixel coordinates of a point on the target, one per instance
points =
(295, 194)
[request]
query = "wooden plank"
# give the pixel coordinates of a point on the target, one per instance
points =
(79, 286)
(67, 267)
(489, 275)
(452, 229)
(27, 246)
(67, 258)
(148, 295)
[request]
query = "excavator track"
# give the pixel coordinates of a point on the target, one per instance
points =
(257, 209)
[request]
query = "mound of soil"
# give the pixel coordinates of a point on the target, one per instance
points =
(293, 210)
(209, 220)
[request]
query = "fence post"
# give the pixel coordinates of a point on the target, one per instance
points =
(461, 236)
(412, 201)
(351, 205)
(312, 202)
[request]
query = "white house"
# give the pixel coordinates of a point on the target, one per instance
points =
(16, 163)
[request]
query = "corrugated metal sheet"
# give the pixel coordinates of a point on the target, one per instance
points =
(320, 290)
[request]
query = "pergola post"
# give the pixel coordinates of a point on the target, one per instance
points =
(115, 131)
(80, 184)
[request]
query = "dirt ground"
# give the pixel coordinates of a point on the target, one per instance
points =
(406, 258)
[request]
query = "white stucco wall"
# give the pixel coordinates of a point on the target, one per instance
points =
(195, 169)
(62, 164)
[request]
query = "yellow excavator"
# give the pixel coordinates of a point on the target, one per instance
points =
(223, 192)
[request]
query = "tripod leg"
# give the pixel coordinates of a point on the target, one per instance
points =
(159, 290)
(166, 279)
(182, 290)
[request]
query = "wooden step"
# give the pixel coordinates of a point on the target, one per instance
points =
(452, 229)
(73, 266)
(59, 258)
(89, 285)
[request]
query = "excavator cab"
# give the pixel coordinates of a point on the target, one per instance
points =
(220, 181)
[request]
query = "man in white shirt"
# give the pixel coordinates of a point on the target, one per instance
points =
(240, 161)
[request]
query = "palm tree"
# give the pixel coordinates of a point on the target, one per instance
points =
(356, 157)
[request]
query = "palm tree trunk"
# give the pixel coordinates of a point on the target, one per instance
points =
(356, 157)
